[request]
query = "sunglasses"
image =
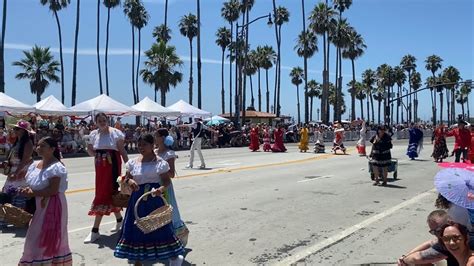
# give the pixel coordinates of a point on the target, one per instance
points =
(454, 238)
(436, 232)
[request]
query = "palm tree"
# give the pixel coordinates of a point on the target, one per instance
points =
(109, 4)
(162, 33)
(98, 48)
(281, 16)
(269, 57)
(332, 98)
(55, 6)
(368, 81)
(408, 64)
(188, 28)
(245, 8)
(199, 65)
(314, 91)
(360, 95)
(415, 84)
(306, 47)
(74, 60)
(340, 39)
(354, 50)
(40, 68)
(385, 82)
(2, 47)
(450, 76)
(378, 96)
(433, 64)
(400, 78)
(160, 69)
(141, 20)
(223, 41)
(250, 69)
(322, 22)
(462, 96)
(231, 12)
(297, 76)
(131, 10)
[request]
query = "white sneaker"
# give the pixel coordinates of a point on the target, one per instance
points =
(202, 166)
(91, 238)
(188, 166)
(117, 227)
(178, 261)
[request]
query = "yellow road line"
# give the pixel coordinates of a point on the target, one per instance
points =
(233, 170)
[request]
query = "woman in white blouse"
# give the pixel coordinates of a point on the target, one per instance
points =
(106, 145)
(47, 237)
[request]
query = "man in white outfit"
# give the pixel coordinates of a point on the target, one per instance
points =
(198, 129)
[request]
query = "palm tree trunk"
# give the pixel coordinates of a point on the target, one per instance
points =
(60, 55)
(98, 47)
(259, 92)
(361, 108)
(230, 69)
(275, 94)
(298, 102)
(462, 104)
(38, 97)
(324, 93)
(409, 101)
(353, 94)
(368, 107)
(156, 92)
(441, 107)
(199, 65)
(163, 96)
(268, 91)
(2, 47)
(191, 72)
(245, 19)
(166, 14)
(453, 105)
(222, 83)
(252, 99)
(74, 64)
(336, 84)
(468, 109)
(448, 110)
(279, 72)
(107, 53)
(372, 106)
(305, 63)
(328, 43)
(311, 109)
(380, 103)
(137, 99)
(133, 63)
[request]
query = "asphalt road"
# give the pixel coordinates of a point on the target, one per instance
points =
(273, 209)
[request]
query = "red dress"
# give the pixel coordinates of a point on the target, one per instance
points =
(254, 141)
(278, 145)
(471, 150)
(266, 141)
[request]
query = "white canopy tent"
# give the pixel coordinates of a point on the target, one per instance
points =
(11, 105)
(147, 107)
(52, 106)
(104, 103)
(188, 110)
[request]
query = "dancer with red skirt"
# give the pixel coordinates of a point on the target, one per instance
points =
(278, 146)
(266, 139)
(107, 147)
(254, 141)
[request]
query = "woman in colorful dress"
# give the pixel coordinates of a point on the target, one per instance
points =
(18, 160)
(107, 147)
(164, 143)
(47, 237)
(415, 143)
(338, 139)
(266, 139)
(380, 156)
(254, 141)
(278, 146)
(362, 140)
(304, 139)
(440, 150)
(145, 173)
(319, 137)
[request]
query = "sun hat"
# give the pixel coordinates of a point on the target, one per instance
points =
(24, 125)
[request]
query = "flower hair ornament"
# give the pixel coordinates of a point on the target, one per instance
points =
(169, 141)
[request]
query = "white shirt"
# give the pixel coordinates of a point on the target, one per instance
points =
(106, 141)
(38, 179)
(169, 154)
(148, 172)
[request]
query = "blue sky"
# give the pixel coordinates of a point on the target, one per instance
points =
(391, 29)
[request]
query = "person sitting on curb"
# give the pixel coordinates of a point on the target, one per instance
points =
(431, 251)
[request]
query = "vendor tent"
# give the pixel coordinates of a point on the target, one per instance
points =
(52, 106)
(104, 103)
(147, 107)
(188, 110)
(8, 104)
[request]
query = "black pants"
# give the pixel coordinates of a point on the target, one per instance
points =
(457, 154)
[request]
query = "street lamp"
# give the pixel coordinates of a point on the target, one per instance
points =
(239, 65)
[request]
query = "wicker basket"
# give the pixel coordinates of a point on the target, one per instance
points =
(120, 200)
(156, 219)
(14, 215)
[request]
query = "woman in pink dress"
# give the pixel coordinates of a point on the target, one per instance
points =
(254, 141)
(47, 237)
(266, 140)
(278, 146)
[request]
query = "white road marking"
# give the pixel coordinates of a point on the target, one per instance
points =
(316, 178)
(88, 227)
(293, 258)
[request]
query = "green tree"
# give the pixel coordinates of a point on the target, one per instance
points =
(297, 76)
(433, 64)
(40, 68)
(400, 79)
(322, 22)
(462, 96)
(74, 58)
(268, 57)
(250, 69)
(368, 81)
(109, 4)
(188, 28)
(160, 69)
(55, 6)
(314, 91)
(352, 51)
(306, 47)
(162, 33)
(408, 63)
(360, 95)
(416, 84)
(340, 39)
(281, 16)
(223, 38)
